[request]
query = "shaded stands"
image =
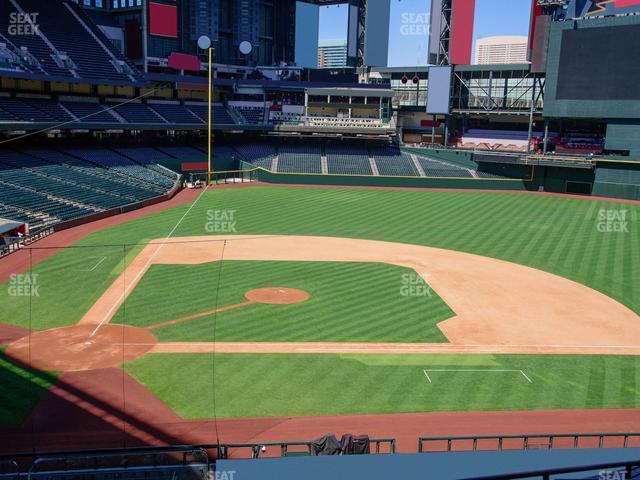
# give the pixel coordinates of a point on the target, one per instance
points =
(220, 114)
(115, 161)
(176, 113)
(185, 154)
(136, 112)
(43, 187)
(391, 161)
(89, 112)
(260, 154)
(32, 110)
(65, 44)
(251, 115)
(300, 159)
(348, 161)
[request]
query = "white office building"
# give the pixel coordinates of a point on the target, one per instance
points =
(332, 53)
(501, 50)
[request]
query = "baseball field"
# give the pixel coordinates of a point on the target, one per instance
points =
(257, 301)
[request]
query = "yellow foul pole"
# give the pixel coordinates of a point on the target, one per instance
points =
(210, 125)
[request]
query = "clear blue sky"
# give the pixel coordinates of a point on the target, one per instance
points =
(408, 31)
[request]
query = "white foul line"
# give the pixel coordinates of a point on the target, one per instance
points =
(144, 269)
(474, 370)
(98, 263)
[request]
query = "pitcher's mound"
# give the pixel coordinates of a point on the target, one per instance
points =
(277, 295)
(70, 349)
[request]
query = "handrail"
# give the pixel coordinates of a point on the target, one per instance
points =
(526, 439)
(222, 450)
(546, 473)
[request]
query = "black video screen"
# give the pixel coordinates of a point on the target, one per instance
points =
(600, 63)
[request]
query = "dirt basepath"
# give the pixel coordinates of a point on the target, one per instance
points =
(345, 348)
(497, 303)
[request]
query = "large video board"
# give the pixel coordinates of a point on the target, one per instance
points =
(593, 68)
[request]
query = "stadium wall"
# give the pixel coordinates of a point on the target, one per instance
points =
(396, 182)
(624, 135)
(458, 157)
(618, 180)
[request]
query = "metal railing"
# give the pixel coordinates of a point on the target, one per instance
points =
(610, 470)
(529, 442)
(287, 448)
(186, 463)
(152, 457)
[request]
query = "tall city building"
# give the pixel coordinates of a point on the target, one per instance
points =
(501, 50)
(332, 53)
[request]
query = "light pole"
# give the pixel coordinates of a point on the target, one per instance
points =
(204, 43)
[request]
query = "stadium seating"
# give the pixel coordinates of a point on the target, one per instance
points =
(66, 43)
(300, 159)
(134, 112)
(89, 112)
(176, 113)
(348, 161)
(261, 154)
(43, 187)
(35, 110)
(220, 114)
(68, 29)
(251, 115)
(391, 161)
(185, 154)
(438, 168)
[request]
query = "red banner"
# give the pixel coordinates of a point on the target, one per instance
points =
(163, 20)
(462, 32)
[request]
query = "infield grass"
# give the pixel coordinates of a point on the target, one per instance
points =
(357, 302)
(282, 385)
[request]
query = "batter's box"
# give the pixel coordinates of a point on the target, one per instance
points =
(429, 371)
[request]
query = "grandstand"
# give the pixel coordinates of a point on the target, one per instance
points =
(44, 187)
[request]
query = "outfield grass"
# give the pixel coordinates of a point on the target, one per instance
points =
(558, 235)
(298, 385)
(358, 302)
(21, 390)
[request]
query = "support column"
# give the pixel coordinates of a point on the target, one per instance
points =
(531, 112)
